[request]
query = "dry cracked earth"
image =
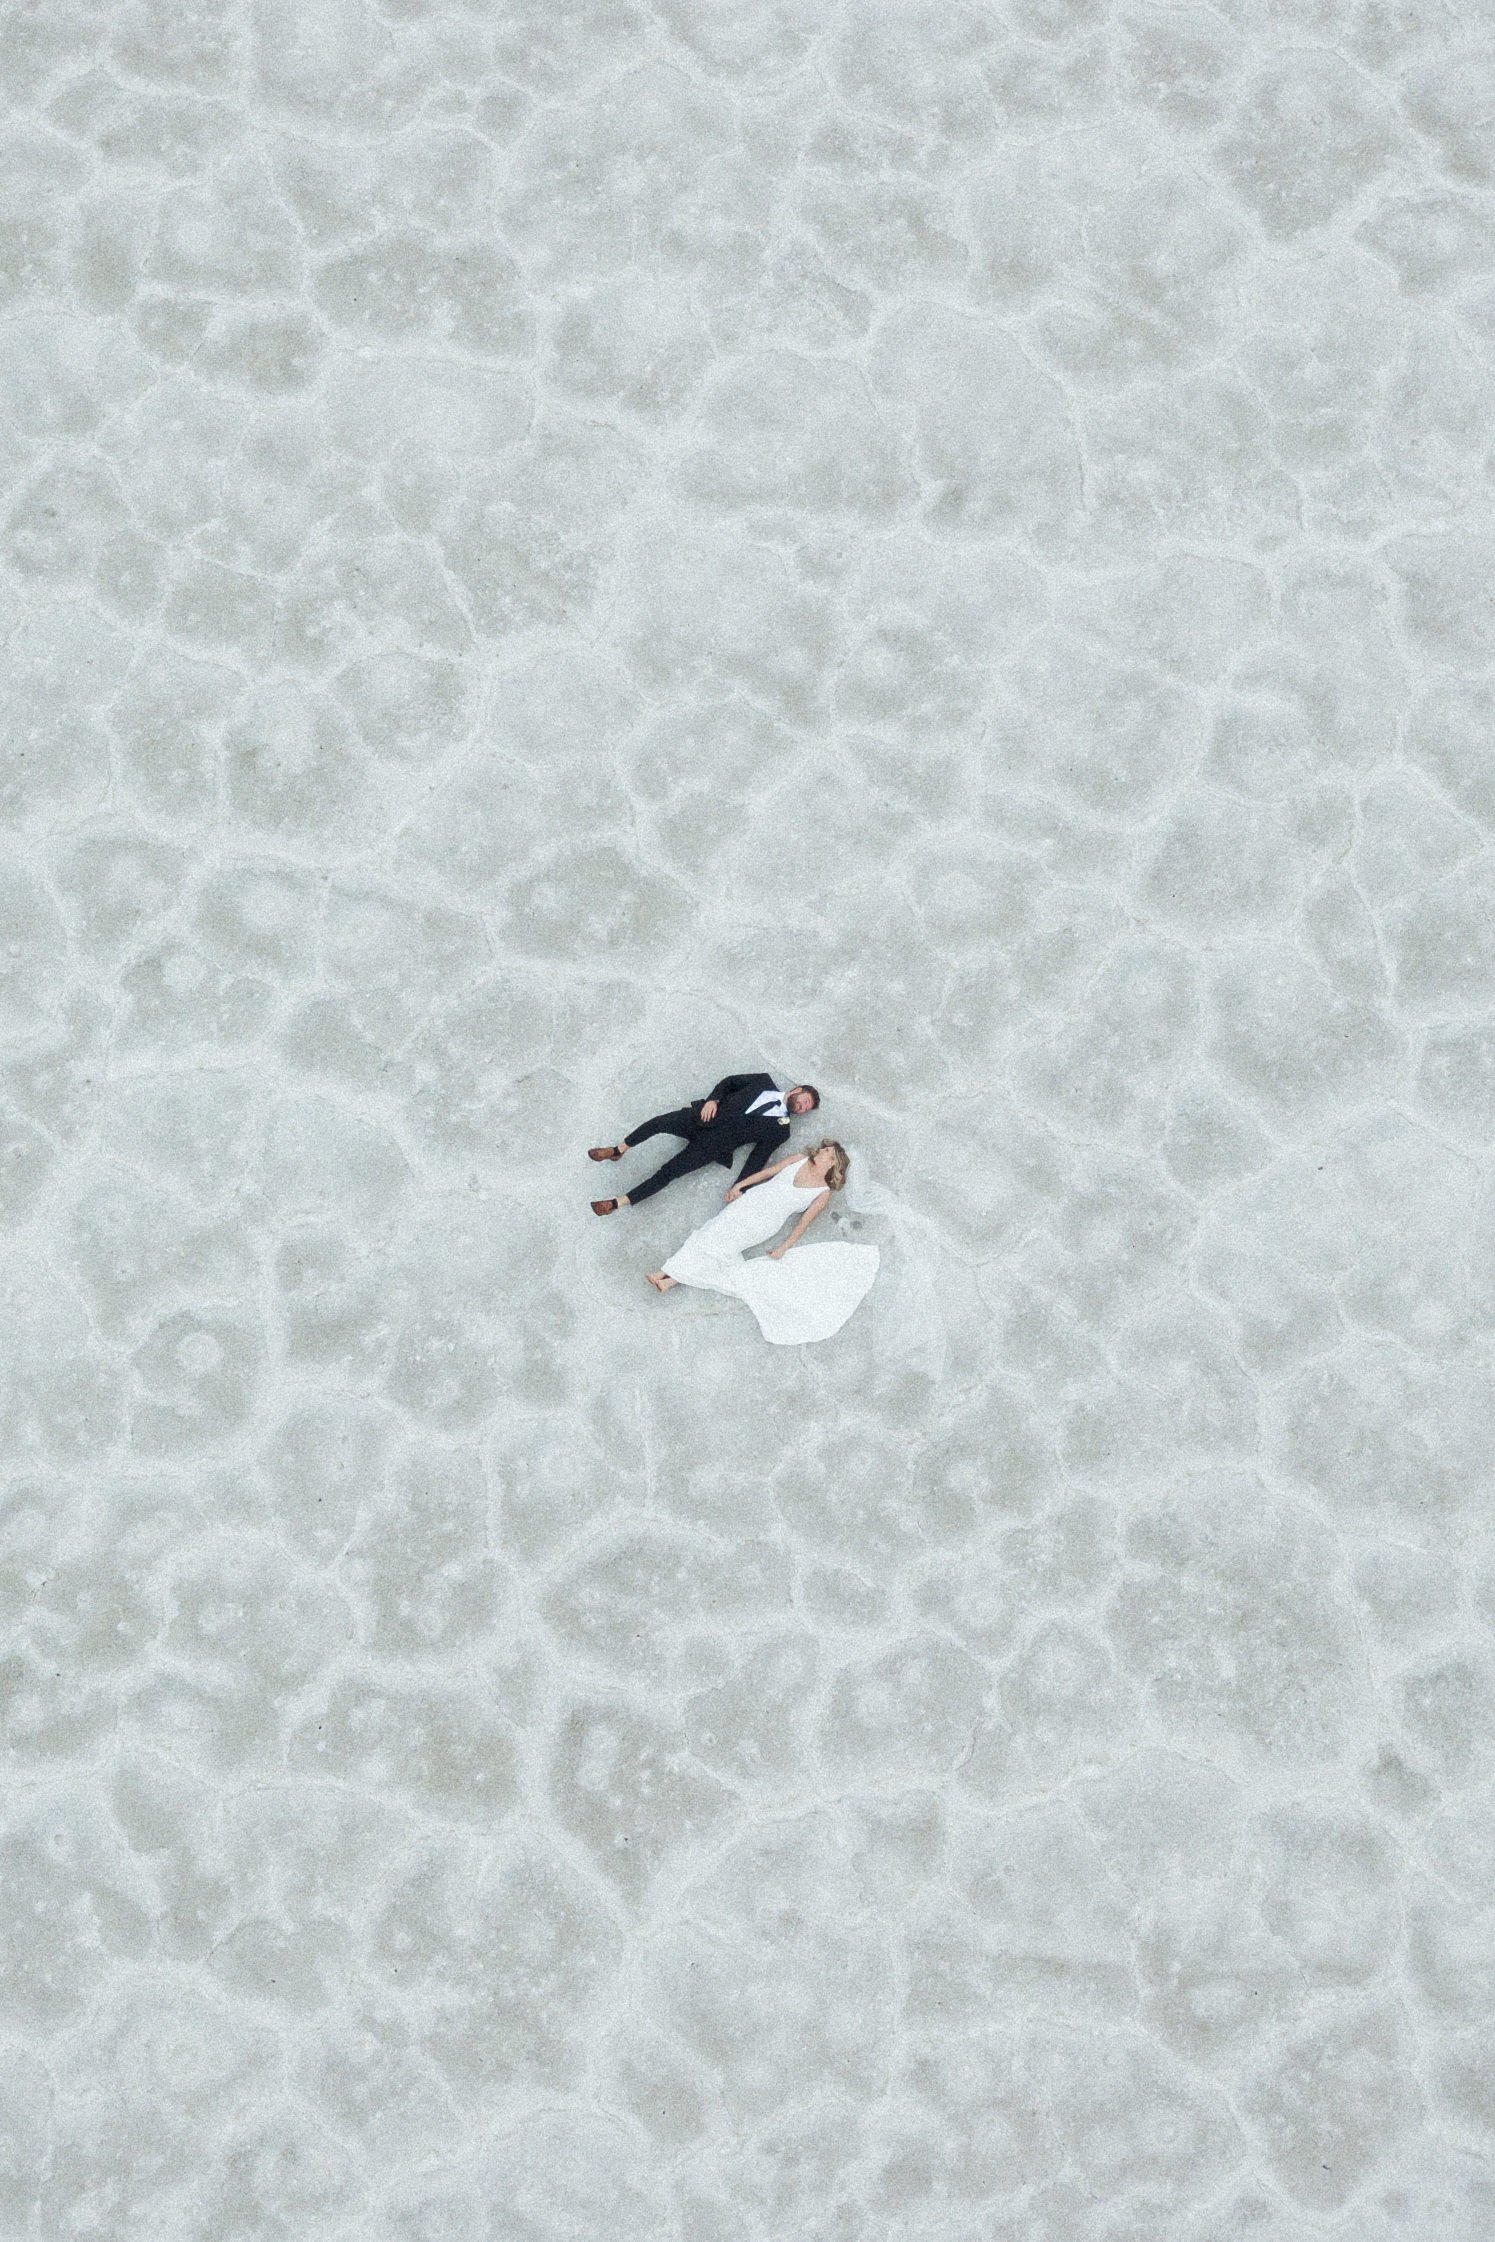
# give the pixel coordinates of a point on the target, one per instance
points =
(553, 549)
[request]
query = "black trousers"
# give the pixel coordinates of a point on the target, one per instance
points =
(700, 1151)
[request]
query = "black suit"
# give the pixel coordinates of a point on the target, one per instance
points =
(717, 1139)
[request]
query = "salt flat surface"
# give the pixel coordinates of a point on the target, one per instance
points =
(555, 550)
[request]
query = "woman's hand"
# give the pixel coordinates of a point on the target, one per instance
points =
(734, 1191)
(777, 1253)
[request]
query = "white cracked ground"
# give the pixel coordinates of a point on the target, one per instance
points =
(551, 550)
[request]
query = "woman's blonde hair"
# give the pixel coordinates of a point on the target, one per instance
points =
(836, 1178)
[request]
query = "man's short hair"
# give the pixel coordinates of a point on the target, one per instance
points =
(813, 1092)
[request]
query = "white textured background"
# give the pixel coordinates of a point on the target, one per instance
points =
(554, 549)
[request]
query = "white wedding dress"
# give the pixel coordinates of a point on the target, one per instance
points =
(807, 1295)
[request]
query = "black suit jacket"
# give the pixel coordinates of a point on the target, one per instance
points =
(733, 1125)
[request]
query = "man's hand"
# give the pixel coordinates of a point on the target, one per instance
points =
(777, 1253)
(734, 1191)
(708, 1110)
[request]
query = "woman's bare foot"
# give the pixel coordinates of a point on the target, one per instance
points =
(661, 1282)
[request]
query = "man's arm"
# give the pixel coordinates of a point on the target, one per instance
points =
(711, 1105)
(731, 1082)
(763, 1152)
(760, 1175)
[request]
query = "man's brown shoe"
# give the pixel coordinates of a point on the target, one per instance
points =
(603, 1206)
(604, 1152)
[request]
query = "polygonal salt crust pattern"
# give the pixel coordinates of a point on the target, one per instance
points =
(550, 551)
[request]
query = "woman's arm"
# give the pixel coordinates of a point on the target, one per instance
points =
(762, 1175)
(818, 1204)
